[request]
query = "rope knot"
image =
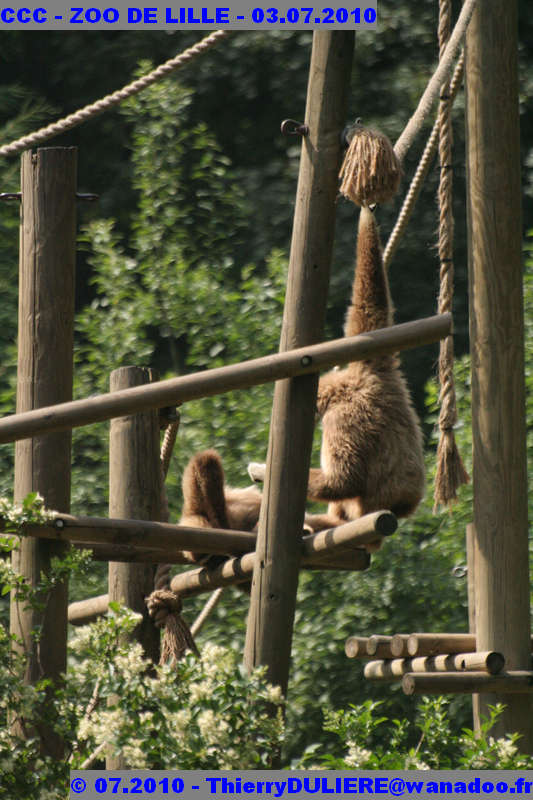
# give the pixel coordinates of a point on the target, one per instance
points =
(164, 606)
(161, 603)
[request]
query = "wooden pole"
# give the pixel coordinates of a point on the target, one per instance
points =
(134, 535)
(391, 669)
(275, 581)
(240, 570)
(433, 644)
(84, 611)
(144, 534)
(135, 491)
(398, 645)
(379, 646)
(355, 647)
(300, 361)
(497, 351)
(519, 682)
(45, 347)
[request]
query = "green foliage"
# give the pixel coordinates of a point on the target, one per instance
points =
(368, 740)
(199, 714)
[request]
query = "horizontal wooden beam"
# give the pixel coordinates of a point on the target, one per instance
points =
(132, 554)
(433, 644)
(355, 647)
(356, 533)
(379, 646)
(386, 670)
(240, 570)
(130, 537)
(84, 611)
(512, 682)
(224, 379)
(144, 535)
(205, 580)
(398, 645)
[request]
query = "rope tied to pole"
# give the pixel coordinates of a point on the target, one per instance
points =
(450, 470)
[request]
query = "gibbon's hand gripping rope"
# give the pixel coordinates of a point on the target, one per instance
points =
(83, 114)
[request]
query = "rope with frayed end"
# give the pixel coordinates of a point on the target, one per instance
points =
(165, 609)
(371, 170)
(450, 470)
(86, 113)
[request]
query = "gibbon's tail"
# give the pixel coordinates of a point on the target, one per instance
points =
(371, 306)
(203, 489)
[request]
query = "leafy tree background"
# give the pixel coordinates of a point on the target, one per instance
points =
(182, 266)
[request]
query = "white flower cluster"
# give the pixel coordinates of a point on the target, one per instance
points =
(200, 714)
(18, 514)
(358, 757)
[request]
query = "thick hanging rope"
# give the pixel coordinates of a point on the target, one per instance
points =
(421, 173)
(164, 606)
(440, 76)
(83, 114)
(450, 470)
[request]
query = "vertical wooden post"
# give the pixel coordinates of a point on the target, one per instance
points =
(275, 581)
(45, 350)
(497, 350)
(134, 493)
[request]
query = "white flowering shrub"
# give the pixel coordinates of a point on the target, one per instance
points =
(202, 713)
(368, 740)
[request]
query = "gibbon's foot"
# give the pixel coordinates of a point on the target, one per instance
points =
(257, 472)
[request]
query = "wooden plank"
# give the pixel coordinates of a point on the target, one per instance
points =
(298, 361)
(497, 350)
(45, 347)
(513, 682)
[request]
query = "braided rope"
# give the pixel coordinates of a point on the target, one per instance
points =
(450, 471)
(440, 76)
(421, 172)
(210, 605)
(162, 573)
(83, 114)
